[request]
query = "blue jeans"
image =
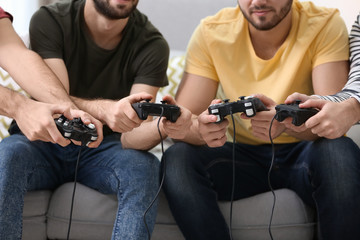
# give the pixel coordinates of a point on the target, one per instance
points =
(324, 173)
(130, 174)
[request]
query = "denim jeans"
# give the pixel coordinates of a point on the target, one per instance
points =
(324, 173)
(130, 174)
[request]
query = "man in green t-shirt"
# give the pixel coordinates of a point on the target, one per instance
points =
(107, 56)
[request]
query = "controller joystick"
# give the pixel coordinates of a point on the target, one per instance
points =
(76, 130)
(144, 109)
(247, 105)
(299, 115)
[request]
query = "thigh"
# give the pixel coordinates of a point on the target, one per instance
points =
(30, 164)
(110, 168)
(188, 164)
(331, 164)
(243, 168)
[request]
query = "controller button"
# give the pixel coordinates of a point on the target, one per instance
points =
(249, 112)
(248, 104)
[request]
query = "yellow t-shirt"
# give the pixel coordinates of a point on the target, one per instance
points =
(221, 49)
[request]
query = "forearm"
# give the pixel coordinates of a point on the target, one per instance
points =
(38, 80)
(144, 137)
(28, 69)
(96, 107)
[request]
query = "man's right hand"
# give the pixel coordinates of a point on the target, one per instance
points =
(214, 134)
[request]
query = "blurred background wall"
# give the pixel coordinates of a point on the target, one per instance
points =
(22, 10)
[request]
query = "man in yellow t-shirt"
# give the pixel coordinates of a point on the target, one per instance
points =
(268, 49)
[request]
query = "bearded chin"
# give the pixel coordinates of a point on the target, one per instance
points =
(113, 14)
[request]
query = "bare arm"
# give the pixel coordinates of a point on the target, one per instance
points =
(146, 136)
(196, 94)
(28, 69)
(328, 78)
(35, 119)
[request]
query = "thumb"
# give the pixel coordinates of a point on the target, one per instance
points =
(169, 100)
(268, 102)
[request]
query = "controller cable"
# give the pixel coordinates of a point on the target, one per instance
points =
(163, 164)
(233, 175)
(74, 189)
(269, 174)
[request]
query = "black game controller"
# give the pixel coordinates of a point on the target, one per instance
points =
(248, 105)
(299, 115)
(75, 129)
(144, 109)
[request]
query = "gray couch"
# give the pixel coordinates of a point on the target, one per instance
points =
(46, 213)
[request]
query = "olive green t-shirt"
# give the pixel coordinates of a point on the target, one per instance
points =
(59, 31)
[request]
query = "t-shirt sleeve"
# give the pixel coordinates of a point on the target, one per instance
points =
(332, 42)
(4, 14)
(45, 35)
(198, 58)
(152, 63)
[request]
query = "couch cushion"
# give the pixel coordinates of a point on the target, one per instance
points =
(292, 219)
(93, 213)
(34, 215)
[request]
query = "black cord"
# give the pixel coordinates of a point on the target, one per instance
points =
(233, 176)
(162, 178)
(73, 194)
(269, 174)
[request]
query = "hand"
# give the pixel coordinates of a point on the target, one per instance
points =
(36, 121)
(334, 119)
(214, 134)
(86, 119)
(120, 115)
(288, 122)
(181, 127)
(260, 123)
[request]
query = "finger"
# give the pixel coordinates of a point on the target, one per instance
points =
(217, 142)
(313, 103)
(169, 99)
(137, 97)
(268, 102)
(206, 118)
(296, 96)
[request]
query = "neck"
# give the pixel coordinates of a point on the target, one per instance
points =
(105, 33)
(266, 43)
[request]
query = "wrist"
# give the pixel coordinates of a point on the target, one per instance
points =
(354, 109)
(17, 104)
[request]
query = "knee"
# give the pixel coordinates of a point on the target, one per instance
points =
(336, 153)
(336, 161)
(178, 158)
(13, 150)
(181, 165)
